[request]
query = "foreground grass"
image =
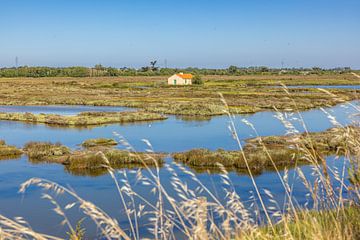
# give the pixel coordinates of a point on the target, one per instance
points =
(83, 119)
(326, 224)
(262, 153)
(244, 94)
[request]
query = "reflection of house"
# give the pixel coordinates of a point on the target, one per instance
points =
(180, 79)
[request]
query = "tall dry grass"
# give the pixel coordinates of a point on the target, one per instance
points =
(201, 213)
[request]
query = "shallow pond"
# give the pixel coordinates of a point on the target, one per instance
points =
(173, 134)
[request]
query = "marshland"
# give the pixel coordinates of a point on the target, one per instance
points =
(173, 120)
(87, 144)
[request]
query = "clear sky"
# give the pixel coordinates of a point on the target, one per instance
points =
(199, 33)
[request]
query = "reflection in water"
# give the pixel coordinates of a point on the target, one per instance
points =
(102, 191)
(10, 157)
(96, 172)
(194, 118)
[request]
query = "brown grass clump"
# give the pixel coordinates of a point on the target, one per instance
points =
(99, 142)
(8, 152)
(235, 160)
(114, 158)
(46, 152)
(97, 155)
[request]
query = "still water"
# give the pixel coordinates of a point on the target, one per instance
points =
(173, 134)
(176, 134)
(60, 109)
(354, 87)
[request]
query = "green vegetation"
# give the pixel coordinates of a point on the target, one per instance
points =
(99, 71)
(83, 119)
(197, 80)
(283, 151)
(8, 152)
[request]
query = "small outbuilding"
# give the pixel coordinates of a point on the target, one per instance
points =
(180, 79)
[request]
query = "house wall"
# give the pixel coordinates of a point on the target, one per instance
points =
(179, 80)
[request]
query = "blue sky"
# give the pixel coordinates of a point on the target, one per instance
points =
(199, 33)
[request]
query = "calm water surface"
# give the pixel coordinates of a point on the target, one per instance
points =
(175, 134)
(355, 87)
(60, 109)
(170, 135)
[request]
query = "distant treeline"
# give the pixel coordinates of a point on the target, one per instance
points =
(101, 71)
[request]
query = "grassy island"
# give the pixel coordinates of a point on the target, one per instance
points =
(284, 151)
(84, 119)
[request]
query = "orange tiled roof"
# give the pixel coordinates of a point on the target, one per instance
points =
(185, 76)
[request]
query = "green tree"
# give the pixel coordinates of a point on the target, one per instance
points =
(232, 70)
(197, 80)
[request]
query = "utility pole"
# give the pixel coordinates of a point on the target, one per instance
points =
(17, 65)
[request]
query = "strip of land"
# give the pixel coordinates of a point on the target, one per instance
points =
(84, 118)
(284, 151)
(243, 94)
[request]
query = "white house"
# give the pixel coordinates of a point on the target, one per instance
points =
(180, 79)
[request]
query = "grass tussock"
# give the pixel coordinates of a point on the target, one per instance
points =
(99, 142)
(84, 119)
(97, 154)
(235, 160)
(8, 152)
(114, 158)
(46, 152)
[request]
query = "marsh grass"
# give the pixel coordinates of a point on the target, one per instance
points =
(244, 94)
(93, 159)
(7, 151)
(115, 158)
(258, 162)
(46, 152)
(84, 118)
(99, 142)
(200, 213)
(281, 150)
